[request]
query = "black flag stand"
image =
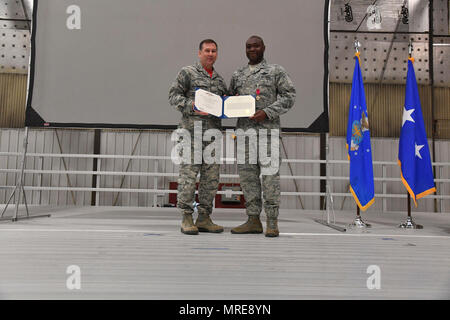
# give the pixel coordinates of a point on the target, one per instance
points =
(410, 224)
(19, 189)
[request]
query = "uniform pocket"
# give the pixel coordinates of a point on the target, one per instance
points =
(266, 80)
(201, 84)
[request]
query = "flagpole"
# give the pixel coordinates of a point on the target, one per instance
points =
(358, 222)
(410, 224)
(410, 48)
(431, 77)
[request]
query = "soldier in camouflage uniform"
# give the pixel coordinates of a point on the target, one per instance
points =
(275, 95)
(181, 96)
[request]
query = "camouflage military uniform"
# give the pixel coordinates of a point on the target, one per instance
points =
(181, 96)
(276, 96)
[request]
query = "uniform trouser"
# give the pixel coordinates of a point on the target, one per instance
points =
(207, 188)
(251, 184)
(209, 178)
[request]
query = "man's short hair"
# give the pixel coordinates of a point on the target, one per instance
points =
(200, 47)
(259, 38)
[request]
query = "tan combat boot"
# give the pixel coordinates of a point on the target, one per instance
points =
(187, 225)
(253, 225)
(272, 228)
(205, 224)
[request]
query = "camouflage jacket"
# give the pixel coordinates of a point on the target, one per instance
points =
(182, 94)
(273, 86)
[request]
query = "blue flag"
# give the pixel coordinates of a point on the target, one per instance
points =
(358, 143)
(413, 152)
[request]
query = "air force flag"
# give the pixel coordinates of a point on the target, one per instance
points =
(358, 143)
(413, 153)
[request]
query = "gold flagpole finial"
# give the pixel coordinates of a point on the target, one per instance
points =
(410, 50)
(357, 46)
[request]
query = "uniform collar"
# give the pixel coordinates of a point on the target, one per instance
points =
(200, 68)
(258, 67)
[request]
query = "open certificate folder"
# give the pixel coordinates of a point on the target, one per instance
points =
(224, 107)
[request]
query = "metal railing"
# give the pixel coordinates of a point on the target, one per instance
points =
(384, 179)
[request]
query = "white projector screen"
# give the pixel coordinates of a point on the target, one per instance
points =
(109, 63)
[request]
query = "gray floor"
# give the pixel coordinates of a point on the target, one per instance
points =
(137, 253)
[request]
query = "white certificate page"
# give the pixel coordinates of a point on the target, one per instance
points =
(239, 106)
(208, 102)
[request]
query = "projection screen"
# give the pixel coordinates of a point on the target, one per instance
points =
(109, 63)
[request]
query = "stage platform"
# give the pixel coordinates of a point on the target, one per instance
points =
(140, 253)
